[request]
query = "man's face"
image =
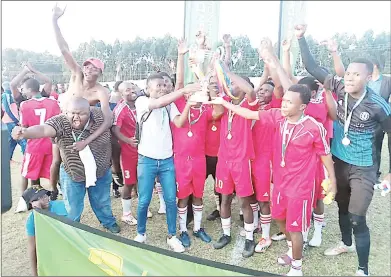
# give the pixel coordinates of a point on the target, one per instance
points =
(41, 203)
(128, 92)
(156, 88)
(291, 104)
(265, 94)
(169, 85)
(356, 77)
(91, 73)
(78, 117)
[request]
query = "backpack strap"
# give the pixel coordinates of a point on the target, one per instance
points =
(139, 127)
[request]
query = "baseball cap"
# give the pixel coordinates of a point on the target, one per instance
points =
(95, 62)
(33, 194)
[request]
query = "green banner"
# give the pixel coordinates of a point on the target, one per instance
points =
(203, 15)
(67, 248)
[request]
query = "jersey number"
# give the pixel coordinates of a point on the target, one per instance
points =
(42, 115)
(127, 174)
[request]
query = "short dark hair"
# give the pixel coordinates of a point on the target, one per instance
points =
(154, 76)
(310, 82)
(303, 90)
(32, 84)
(376, 62)
(367, 63)
(270, 82)
(117, 84)
(165, 74)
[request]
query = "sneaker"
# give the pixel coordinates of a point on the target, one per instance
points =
(201, 234)
(222, 242)
(315, 241)
(162, 210)
(22, 206)
(149, 214)
(175, 244)
(115, 229)
(360, 272)
(340, 249)
(213, 216)
(263, 245)
(294, 272)
(185, 239)
(141, 238)
(116, 193)
(129, 219)
(249, 247)
(279, 236)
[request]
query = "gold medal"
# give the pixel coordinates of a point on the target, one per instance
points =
(214, 128)
(190, 134)
(229, 136)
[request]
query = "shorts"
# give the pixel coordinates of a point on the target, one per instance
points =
(320, 175)
(211, 163)
(128, 162)
(36, 166)
(295, 211)
(234, 176)
(190, 176)
(354, 187)
(261, 177)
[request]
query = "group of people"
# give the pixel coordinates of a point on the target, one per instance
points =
(272, 146)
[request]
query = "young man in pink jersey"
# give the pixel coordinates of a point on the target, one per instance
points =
(233, 171)
(299, 141)
(124, 128)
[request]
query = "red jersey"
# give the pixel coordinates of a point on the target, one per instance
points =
(190, 139)
(213, 136)
(53, 95)
(317, 108)
(125, 118)
(237, 145)
(263, 132)
(35, 112)
(305, 141)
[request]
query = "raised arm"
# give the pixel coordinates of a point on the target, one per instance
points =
(33, 132)
(310, 64)
(228, 49)
(181, 119)
(244, 85)
(16, 82)
(48, 83)
(332, 46)
(237, 109)
(286, 59)
(62, 44)
(180, 68)
(264, 77)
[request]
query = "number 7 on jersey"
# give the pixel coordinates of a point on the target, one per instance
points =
(42, 115)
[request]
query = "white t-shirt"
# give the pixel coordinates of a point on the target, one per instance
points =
(156, 137)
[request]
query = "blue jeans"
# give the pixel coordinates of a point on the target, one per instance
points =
(147, 170)
(99, 195)
(13, 143)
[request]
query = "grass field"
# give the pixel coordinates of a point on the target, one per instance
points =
(14, 242)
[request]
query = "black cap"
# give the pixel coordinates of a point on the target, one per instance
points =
(33, 194)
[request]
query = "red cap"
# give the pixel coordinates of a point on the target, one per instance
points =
(95, 62)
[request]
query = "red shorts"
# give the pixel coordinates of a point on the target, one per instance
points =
(260, 172)
(36, 166)
(190, 176)
(128, 162)
(296, 212)
(319, 177)
(234, 176)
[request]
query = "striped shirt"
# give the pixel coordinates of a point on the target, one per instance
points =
(100, 147)
(368, 118)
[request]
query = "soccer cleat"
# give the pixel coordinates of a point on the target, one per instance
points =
(249, 247)
(263, 245)
(185, 239)
(141, 238)
(115, 229)
(129, 219)
(175, 245)
(316, 241)
(162, 210)
(279, 236)
(22, 206)
(361, 272)
(340, 249)
(201, 234)
(116, 193)
(149, 214)
(222, 242)
(294, 272)
(213, 216)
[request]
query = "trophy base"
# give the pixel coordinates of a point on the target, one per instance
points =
(199, 98)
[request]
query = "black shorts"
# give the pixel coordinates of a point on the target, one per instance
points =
(211, 163)
(354, 187)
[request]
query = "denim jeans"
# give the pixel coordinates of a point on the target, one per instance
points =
(147, 170)
(99, 195)
(13, 143)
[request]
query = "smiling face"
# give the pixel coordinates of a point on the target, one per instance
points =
(156, 87)
(128, 92)
(91, 73)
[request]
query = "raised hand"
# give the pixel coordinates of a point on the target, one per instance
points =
(57, 12)
(30, 67)
(286, 45)
(201, 39)
(182, 47)
(265, 48)
(227, 39)
(300, 30)
(331, 45)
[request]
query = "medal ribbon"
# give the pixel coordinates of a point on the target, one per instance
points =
(78, 138)
(287, 136)
(192, 122)
(348, 118)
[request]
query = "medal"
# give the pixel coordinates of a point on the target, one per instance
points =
(282, 163)
(229, 136)
(214, 128)
(190, 134)
(346, 141)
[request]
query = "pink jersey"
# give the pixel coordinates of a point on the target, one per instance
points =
(190, 139)
(317, 109)
(307, 141)
(35, 112)
(237, 145)
(213, 136)
(125, 118)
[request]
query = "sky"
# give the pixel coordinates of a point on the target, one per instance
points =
(27, 25)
